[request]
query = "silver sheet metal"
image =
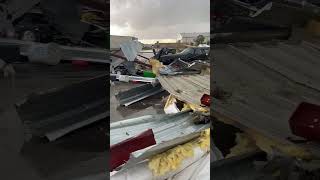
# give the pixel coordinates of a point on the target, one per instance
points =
(130, 49)
(144, 154)
(53, 135)
(136, 94)
(67, 52)
(126, 78)
(298, 62)
(165, 127)
(188, 88)
(56, 112)
(266, 83)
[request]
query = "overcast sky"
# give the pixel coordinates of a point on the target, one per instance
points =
(159, 19)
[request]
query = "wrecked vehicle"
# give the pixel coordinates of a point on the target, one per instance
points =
(188, 55)
(164, 51)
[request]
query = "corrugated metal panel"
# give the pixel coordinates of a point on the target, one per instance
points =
(165, 127)
(143, 154)
(66, 52)
(136, 94)
(115, 41)
(57, 112)
(298, 62)
(266, 83)
(189, 88)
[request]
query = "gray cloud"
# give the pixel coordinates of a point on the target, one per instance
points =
(157, 19)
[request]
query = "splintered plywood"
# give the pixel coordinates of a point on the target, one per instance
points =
(187, 88)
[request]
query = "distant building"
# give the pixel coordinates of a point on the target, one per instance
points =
(115, 41)
(188, 38)
(176, 45)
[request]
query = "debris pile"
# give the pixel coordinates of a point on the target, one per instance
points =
(180, 133)
(275, 109)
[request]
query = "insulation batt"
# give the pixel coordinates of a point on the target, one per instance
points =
(172, 159)
(142, 172)
(247, 143)
(244, 145)
(171, 163)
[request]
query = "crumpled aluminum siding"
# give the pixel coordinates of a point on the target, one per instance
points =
(130, 49)
(165, 127)
(266, 83)
(136, 94)
(56, 112)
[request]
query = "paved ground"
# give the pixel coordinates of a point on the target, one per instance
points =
(149, 106)
(78, 154)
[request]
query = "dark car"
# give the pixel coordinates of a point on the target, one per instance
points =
(164, 51)
(188, 55)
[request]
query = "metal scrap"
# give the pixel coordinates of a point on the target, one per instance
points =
(126, 78)
(127, 56)
(282, 75)
(141, 155)
(188, 88)
(165, 127)
(130, 49)
(255, 8)
(60, 111)
(57, 52)
(133, 95)
(178, 67)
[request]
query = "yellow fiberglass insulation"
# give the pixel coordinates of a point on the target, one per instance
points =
(268, 145)
(172, 159)
(247, 143)
(244, 145)
(156, 65)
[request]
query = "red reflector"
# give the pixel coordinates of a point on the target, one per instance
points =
(305, 121)
(206, 100)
